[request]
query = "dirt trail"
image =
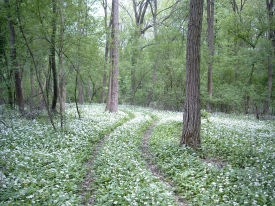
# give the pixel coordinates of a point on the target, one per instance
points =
(153, 167)
(88, 197)
(89, 178)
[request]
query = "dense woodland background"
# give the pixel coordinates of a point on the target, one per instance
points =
(59, 51)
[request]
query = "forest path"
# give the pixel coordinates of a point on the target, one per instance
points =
(118, 172)
(154, 168)
(88, 198)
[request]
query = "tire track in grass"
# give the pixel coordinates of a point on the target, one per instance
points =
(88, 198)
(89, 178)
(154, 168)
(121, 173)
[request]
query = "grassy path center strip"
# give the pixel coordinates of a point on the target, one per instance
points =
(122, 176)
(154, 168)
(88, 198)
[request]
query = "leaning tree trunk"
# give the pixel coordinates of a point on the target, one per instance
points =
(192, 115)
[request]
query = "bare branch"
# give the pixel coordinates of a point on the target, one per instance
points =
(127, 11)
(169, 7)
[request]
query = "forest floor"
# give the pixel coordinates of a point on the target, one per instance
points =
(133, 158)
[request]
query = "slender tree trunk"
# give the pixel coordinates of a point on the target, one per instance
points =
(89, 90)
(80, 93)
(108, 102)
(16, 70)
(52, 58)
(192, 114)
(107, 28)
(154, 77)
(76, 102)
(134, 57)
(34, 63)
(210, 38)
(114, 59)
(33, 92)
(8, 83)
(62, 84)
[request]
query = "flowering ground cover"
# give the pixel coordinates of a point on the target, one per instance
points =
(236, 165)
(121, 173)
(40, 166)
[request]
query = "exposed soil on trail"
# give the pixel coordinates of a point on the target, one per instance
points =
(89, 178)
(153, 167)
(219, 163)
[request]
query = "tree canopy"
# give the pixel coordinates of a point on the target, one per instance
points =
(64, 44)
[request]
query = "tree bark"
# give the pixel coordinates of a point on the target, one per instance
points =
(113, 106)
(154, 77)
(271, 37)
(210, 39)
(107, 29)
(192, 114)
(15, 69)
(80, 93)
(62, 83)
(52, 58)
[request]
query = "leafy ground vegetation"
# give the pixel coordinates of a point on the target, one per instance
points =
(39, 166)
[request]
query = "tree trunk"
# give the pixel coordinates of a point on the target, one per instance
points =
(107, 28)
(62, 84)
(114, 60)
(210, 38)
(89, 90)
(192, 114)
(271, 37)
(80, 93)
(34, 62)
(52, 58)
(33, 92)
(154, 77)
(16, 70)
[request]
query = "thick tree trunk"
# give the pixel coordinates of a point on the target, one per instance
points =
(16, 70)
(114, 58)
(271, 37)
(210, 38)
(192, 114)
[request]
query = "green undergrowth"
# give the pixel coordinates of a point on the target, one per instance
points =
(40, 166)
(235, 165)
(121, 173)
